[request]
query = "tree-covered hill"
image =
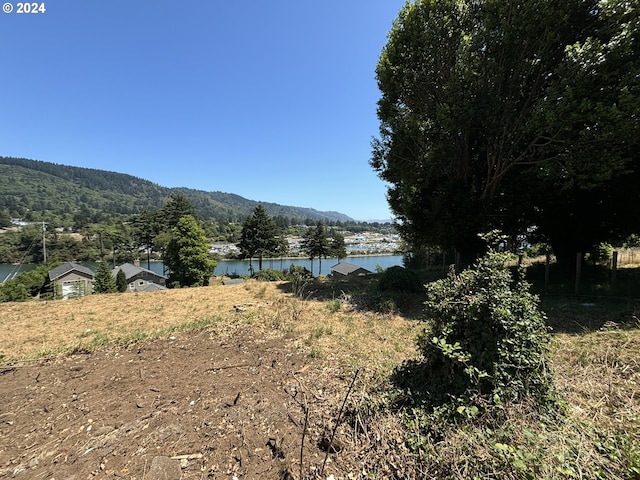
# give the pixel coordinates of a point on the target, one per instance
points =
(36, 190)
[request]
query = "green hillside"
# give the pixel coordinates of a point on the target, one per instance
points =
(40, 190)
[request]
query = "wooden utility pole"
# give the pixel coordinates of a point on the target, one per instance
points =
(44, 242)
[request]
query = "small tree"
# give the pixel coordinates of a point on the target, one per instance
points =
(104, 281)
(121, 281)
(187, 255)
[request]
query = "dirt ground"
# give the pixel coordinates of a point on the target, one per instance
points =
(193, 405)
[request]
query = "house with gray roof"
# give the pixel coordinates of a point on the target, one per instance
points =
(141, 279)
(71, 280)
(344, 269)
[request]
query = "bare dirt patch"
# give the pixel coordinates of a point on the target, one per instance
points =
(228, 398)
(215, 406)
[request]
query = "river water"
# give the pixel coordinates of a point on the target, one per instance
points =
(241, 267)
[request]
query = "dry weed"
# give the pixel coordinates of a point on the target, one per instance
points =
(599, 373)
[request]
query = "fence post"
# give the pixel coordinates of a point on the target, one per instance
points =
(546, 272)
(614, 269)
(444, 263)
(578, 271)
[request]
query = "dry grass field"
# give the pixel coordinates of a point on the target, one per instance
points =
(332, 327)
(248, 381)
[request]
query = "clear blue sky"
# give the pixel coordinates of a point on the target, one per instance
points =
(272, 100)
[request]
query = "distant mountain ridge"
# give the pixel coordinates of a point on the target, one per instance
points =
(35, 185)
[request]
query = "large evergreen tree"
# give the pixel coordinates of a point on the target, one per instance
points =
(338, 247)
(316, 245)
(176, 207)
(187, 255)
(147, 226)
(493, 111)
(260, 237)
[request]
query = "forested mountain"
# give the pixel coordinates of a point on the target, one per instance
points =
(35, 190)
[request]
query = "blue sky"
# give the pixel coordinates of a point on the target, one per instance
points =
(272, 100)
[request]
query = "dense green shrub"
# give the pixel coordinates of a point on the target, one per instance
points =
(297, 272)
(269, 275)
(400, 279)
(300, 278)
(488, 344)
(24, 286)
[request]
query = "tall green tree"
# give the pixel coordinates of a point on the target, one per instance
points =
(316, 244)
(476, 102)
(152, 228)
(176, 207)
(338, 246)
(260, 237)
(5, 218)
(582, 197)
(187, 256)
(104, 282)
(147, 226)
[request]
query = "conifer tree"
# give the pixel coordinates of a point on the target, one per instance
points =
(121, 281)
(187, 255)
(338, 247)
(260, 237)
(104, 281)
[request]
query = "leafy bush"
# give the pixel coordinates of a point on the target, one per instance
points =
(399, 279)
(488, 344)
(24, 286)
(602, 254)
(300, 277)
(269, 275)
(299, 272)
(632, 241)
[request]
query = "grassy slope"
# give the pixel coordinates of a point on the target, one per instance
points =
(598, 370)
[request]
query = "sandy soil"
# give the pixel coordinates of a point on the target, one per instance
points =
(192, 405)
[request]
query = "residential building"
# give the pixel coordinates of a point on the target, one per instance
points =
(71, 280)
(344, 269)
(141, 279)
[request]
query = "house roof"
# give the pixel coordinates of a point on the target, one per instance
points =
(152, 287)
(345, 268)
(131, 271)
(69, 267)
